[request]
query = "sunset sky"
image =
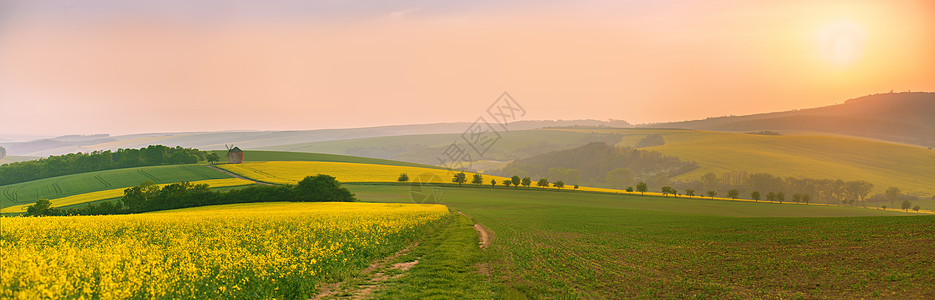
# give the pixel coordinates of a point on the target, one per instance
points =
(118, 67)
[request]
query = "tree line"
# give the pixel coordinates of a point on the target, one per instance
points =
(148, 197)
(74, 163)
(478, 179)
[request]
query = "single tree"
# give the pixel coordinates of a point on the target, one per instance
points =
(543, 182)
(906, 205)
(892, 194)
(916, 208)
(755, 196)
(213, 158)
(712, 194)
(641, 187)
(781, 196)
(796, 197)
(629, 189)
(733, 194)
(806, 198)
(515, 180)
(883, 207)
(667, 190)
(527, 181)
(559, 184)
(690, 193)
(507, 182)
(478, 179)
(403, 177)
(771, 196)
(493, 182)
(460, 178)
(43, 207)
(576, 186)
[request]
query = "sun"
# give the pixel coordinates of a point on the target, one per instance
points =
(842, 42)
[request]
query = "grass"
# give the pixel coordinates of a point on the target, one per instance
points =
(562, 245)
(910, 168)
(75, 184)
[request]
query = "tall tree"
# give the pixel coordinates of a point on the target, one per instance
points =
(733, 194)
(892, 194)
(478, 179)
(515, 180)
(712, 194)
(641, 187)
(403, 177)
(543, 182)
(527, 181)
(460, 178)
(690, 193)
(755, 196)
(559, 184)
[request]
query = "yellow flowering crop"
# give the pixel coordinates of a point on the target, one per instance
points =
(117, 193)
(255, 250)
(293, 171)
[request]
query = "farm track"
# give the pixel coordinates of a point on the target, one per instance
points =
(100, 178)
(373, 276)
(484, 235)
(238, 176)
(150, 176)
(190, 170)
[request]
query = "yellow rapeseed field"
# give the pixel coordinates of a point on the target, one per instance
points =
(257, 250)
(292, 171)
(117, 193)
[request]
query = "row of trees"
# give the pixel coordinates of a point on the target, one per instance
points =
(892, 195)
(478, 179)
(99, 160)
(150, 197)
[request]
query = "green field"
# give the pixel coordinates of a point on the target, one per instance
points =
(63, 186)
(303, 156)
(559, 244)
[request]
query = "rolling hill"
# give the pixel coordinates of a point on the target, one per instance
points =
(884, 164)
(75, 184)
(899, 117)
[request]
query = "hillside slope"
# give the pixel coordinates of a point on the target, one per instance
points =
(910, 168)
(899, 117)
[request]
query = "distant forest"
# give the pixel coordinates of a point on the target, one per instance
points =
(599, 164)
(74, 163)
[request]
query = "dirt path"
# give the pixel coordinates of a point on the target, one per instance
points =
(238, 176)
(373, 278)
(484, 235)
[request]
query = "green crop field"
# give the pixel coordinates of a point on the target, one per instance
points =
(910, 168)
(68, 185)
(303, 156)
(550, 244)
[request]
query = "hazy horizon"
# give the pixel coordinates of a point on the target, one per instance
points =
(173, 66)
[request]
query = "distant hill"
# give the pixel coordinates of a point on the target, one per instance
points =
(899, 117)
(261, 139)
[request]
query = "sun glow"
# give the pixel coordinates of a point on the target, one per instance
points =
(842, 42)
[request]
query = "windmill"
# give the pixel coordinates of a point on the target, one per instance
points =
(234, 154)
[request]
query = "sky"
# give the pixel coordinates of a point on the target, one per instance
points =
(120, 67)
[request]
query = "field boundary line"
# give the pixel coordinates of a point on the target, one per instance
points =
(150, 176)
(240, 177)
